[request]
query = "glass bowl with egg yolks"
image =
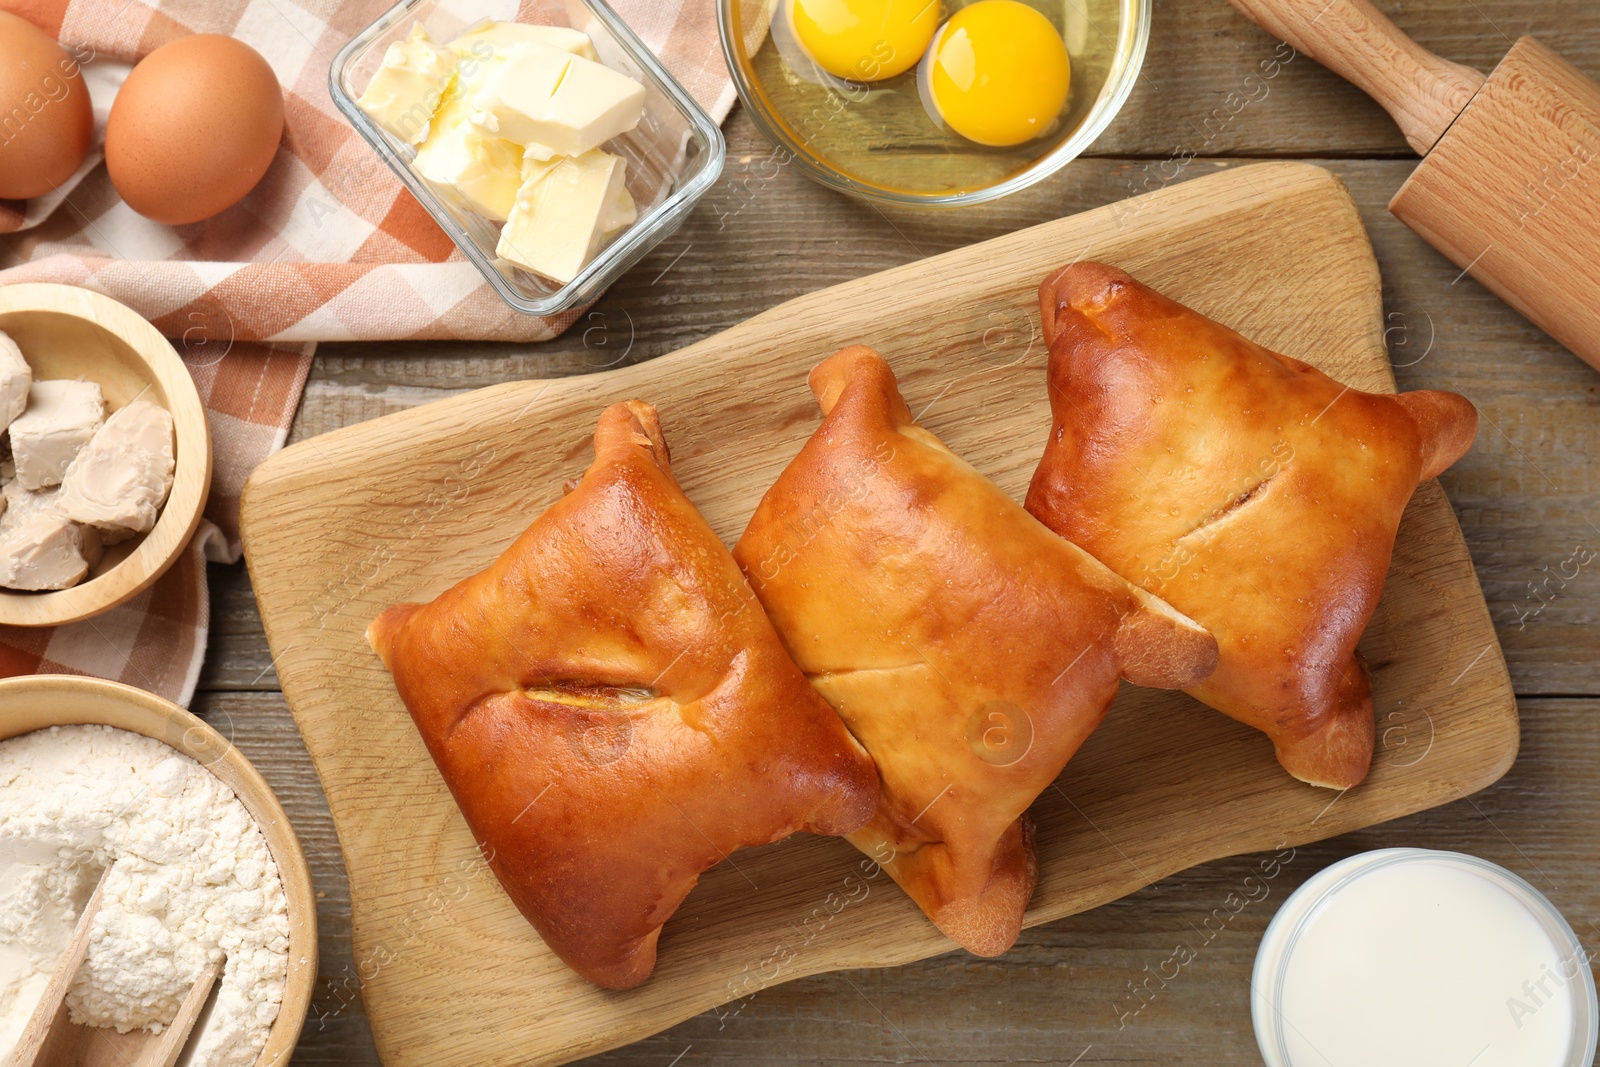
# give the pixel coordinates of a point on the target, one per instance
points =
(918, 102)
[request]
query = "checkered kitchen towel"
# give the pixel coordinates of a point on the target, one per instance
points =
(328, 247)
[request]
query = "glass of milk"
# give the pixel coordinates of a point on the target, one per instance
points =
(1407, 957)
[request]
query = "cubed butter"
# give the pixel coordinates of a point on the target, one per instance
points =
(501, 37)
(482, 170)
(530, 75)
(15, 378)
(60, 419)
(558, 102)
(558, 221)
(410, 85)
(619, 211)
(120, 480)
(481, 51)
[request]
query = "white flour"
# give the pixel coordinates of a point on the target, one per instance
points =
(190, 877)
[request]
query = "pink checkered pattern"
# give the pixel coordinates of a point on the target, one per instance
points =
(329, 246)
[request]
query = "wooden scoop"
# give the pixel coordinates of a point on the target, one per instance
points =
(1509, 184)
(52, 1039)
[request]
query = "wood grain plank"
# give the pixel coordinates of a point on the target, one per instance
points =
(1205, 90)
(1525, 497)
(1422, 92)
(1057, 992)
(1063, 989)
(1524, 494)
(1200, 53)
(402, 507)
(1518, 524)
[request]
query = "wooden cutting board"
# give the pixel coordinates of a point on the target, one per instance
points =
(340, 527)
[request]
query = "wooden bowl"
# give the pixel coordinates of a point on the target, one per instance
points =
(67, 332)
(34, 702)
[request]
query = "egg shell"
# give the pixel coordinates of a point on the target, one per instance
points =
(194, 128)
(46, 118)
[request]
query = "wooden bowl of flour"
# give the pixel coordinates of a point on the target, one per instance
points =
(36, 702)
(68, 332)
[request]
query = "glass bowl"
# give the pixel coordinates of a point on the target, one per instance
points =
(673, 156)
(1306, 905)
(876, 141)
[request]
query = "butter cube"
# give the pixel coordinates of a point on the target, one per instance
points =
(501, 37)
(120, 480)
(531, 72)
(618, 212)
(558, 221)
(60, 419)
(480, 169)
(408, 88)
(561, 103)
(15, 378)
(481, 51)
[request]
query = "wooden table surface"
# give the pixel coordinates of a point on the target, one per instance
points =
(1527, 496)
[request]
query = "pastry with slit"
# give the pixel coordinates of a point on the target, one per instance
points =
(1249, 490)
(613, 712)
(967, 647)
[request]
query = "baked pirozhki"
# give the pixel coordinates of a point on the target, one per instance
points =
(613, 712)
(1249, 490)
(967, 647)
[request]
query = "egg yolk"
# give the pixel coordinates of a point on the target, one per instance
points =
(865, 40)
(998, 74)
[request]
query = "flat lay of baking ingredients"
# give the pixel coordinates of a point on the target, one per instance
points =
(799, 532)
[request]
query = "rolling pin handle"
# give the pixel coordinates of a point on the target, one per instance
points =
(1421, 92)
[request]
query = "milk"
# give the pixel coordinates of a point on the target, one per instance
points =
(1406, 958)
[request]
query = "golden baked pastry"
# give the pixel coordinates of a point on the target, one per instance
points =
(613, 711)
(967, 647)
(1249, 490)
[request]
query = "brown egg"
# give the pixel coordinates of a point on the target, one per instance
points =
(194, 128)
(46, 120)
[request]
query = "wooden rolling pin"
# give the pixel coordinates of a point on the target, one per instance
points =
(1509, 184)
